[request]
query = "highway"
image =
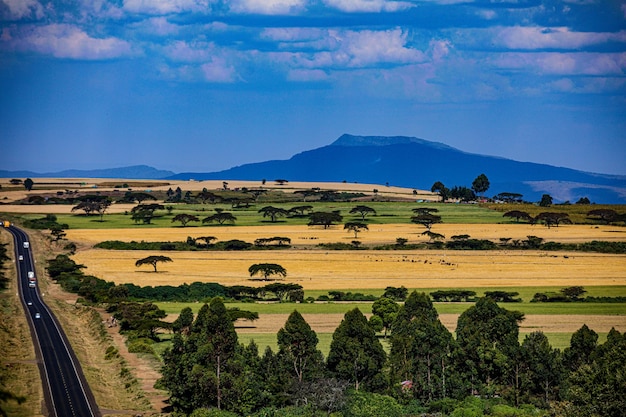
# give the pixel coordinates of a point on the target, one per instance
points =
(66, 391)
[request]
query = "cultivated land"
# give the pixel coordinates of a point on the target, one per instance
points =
(368, 271)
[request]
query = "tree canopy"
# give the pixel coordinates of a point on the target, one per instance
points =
(153, 260)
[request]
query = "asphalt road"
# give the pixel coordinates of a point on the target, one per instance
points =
(65, 388)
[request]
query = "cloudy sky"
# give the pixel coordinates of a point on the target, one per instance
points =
(204, 85)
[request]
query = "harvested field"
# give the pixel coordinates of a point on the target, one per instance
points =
(327, 323)
(317, 269)
(378, 234)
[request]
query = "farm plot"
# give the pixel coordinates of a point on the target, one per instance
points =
(325, 270)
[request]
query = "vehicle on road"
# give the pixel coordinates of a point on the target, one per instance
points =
(30, 303)
(37, 315)
(21, 257)
(26, 245)
(31, 275)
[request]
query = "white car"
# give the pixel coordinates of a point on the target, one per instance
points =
(21, 258)
(37, 315)
(30, 303)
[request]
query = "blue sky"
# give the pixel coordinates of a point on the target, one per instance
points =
(204, 85)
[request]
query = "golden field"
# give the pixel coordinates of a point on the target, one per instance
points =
(315, 268)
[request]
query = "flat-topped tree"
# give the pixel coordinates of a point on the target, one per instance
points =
(267, 270)
(426, 218)
(355, 227)
(322, 218)
(220, 217)
(153, 260)
(273, 212)
(363, 211)
(184, 218)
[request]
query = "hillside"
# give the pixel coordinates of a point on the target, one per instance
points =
(418, 163)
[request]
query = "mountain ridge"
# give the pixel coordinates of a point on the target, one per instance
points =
(395, 160)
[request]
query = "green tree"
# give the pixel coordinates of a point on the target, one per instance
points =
(517, 215)
(440, 189)
(184, 218)
(28, 184)
(480, 184)
(220, 217)
(355, 353)
(267, 270)
(582, 346)
(57, 233)
(297, 344)
(153, 260)
(420, 349)
(184, 321)
(386, 309)
(426, 218)
(145, 212)
(363, 211)
(543, 368)
(355, 227)
(546, 200)
(273, 212)
(598, 387)
(326, 219)
(488, 339)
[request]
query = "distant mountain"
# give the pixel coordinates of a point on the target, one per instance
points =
(132, 172)
(418, 163)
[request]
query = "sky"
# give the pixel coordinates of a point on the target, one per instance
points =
(205, 85)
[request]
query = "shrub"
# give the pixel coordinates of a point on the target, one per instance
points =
(365, 404)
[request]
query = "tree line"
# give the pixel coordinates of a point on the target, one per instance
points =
(425, 370)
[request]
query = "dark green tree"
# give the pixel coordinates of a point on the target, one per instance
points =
(363, 211)
(598, 387)
(421, 349)
(145, 212)
(355, 353)
(273, 212)
(184, 218)
(355, 227)
(267, 270)
(488, 339)
(153, 260)
(220, 217)
(28, 184)
(440, 189)
(582, 346)
(297, 344)
(517, 215)
(386, 309)
(546, 200)
(326, 219)
(480, 184)
(184, 321)
(543, 371)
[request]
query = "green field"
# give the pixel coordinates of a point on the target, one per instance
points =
(386, 213)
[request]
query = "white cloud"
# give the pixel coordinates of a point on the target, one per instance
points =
(161, 7)
(519, 37)
(19, 9)
(218, 71)
(65, 41)
(368, 5)
(158, 26)
(576, 63)
(365, 48)
(189, 52)
(304, 75)
(268, 7)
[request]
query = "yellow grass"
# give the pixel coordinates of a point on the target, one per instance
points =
(327, 323)
(10, 193)
(377, 234)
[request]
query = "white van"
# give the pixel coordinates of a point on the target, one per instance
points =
(26, 245)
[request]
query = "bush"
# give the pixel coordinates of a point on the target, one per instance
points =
(365, 404)
(140, 346)
(205, 412)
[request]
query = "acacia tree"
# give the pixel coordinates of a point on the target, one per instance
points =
(355, 227)
(220, 217)
(425, 217)
(267, 270)
(28, 184)
(273, 212)
(517, 215)
(145, 212)
(153, 260)
(322, 218)
(184, 218)
(363, 211)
